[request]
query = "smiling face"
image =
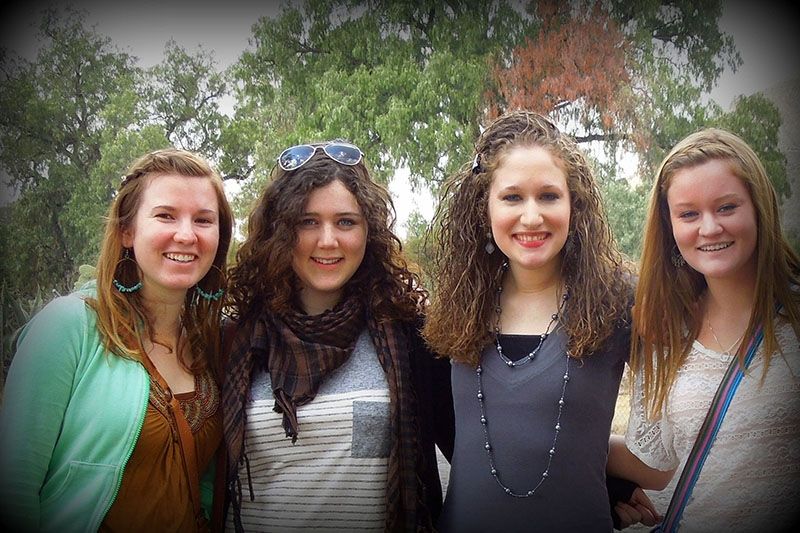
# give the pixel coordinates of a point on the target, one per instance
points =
(331, 242)
(713, 220)
(174, 235)
(529, 208)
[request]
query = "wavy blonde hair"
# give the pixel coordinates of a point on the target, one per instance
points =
(122, 318)
(667, 316)
(466, 277)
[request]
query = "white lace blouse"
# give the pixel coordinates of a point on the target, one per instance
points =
(751, 478)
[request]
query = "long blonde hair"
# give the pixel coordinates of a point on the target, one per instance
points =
(466, 277)
(121, 318)
(667, 316)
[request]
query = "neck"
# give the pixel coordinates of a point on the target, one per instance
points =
(730, 298)
(533, 282)
(318, 303)
(164, 316)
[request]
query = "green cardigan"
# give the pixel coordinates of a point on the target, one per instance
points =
(70, 418)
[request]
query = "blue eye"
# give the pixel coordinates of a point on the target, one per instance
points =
(550, 197)
(347, 222)
(512, 198)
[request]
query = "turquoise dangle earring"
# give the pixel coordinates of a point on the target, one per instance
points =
(216, 295)
(126, 256)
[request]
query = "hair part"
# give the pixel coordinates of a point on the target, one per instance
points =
(668, 315)
(122, 319)
(467, 277)
(263, 279)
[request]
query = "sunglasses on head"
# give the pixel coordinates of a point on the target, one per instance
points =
(341, 152)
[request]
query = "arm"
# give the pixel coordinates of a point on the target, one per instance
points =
(623, 463)
(432, 384)
(444, 416)
(36, 395)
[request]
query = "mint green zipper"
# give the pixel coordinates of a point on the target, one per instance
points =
(130, 451)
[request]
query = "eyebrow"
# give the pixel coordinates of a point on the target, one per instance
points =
(171, 208)
(723, 198)
(340, 214)
(515, 186)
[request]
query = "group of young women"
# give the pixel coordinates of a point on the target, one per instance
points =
(319, 401)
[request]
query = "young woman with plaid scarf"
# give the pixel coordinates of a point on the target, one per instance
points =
(329, 392)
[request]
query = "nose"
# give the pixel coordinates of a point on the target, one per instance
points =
(709, 226)
(327, 236)
(531, 214)
(184, 233)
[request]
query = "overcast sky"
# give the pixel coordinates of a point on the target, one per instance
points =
(765, 33)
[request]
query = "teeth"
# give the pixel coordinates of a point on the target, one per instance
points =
(181, 258)
(715, 247)
(531, 238)
(326, 261)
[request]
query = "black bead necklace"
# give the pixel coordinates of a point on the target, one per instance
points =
(561, 402)
(528, 358)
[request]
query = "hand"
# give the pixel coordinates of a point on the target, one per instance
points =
(638, 509)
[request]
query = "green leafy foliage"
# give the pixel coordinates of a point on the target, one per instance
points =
(403, 80)
(410, 82)
(71, 122)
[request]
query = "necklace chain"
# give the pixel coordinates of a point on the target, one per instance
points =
(721, 347)
(561, 402)
(488, 444)
(528, 358)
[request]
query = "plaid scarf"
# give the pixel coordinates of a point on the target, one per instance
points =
(300, 351)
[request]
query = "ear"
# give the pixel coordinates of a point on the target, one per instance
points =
(127, 238)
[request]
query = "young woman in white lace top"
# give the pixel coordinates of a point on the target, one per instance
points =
(714, 266)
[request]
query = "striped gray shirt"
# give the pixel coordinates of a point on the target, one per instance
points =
(334, 478)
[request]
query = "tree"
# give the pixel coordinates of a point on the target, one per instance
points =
(621, 71)
(403, 80)
(71, 122)
(183, 94)
(575, 66)
(51, 131)
(757, 120)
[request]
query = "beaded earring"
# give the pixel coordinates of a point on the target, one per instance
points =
(213, 295)
(489, 247)
(126, 256)
(677, 259)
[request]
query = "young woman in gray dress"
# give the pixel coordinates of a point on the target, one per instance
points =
(532, 306)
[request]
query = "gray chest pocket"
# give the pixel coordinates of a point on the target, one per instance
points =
(371, 429)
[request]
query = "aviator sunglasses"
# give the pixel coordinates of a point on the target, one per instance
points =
(296, 156)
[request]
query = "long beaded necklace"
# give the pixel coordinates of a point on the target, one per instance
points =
(561, 402)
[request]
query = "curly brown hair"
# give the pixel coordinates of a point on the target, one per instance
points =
(466, 276)
(263, 278)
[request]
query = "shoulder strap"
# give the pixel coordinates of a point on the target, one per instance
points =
(188, 451)
(707, 434)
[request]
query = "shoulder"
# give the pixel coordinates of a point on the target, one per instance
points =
(63, 313)
(55, 341)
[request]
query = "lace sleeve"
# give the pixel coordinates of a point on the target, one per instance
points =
(649, 440)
